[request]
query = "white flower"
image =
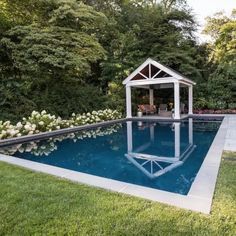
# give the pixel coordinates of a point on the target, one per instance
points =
(19, 125)
(4, 132)
(33, 126)
(27, 127)
(13, 132)
(41, 123)
(34, 113)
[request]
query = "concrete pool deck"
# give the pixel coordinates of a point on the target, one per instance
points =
(230, 140)
(200, 195)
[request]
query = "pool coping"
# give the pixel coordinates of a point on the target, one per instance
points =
(199, 197)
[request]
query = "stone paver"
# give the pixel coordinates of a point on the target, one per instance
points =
(230, 140)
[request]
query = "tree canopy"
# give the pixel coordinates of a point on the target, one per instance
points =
(71, 56)
(222, 80)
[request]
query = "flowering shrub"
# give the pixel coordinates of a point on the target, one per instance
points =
(39, 122)
(95, 116)
(7, 130)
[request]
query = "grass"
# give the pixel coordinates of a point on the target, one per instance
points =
(38, 204)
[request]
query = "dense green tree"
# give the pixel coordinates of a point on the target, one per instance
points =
(52, 52)
(58, 47)
(63, 48)
(72, 56)
(222, 81)
(143, 29)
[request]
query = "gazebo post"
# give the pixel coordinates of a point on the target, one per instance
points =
(128, 102)
(190, 100)
(176, 100)
(151, 98)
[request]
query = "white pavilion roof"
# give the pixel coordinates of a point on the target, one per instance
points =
(153, 72)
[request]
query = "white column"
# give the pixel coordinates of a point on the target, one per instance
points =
(190, 100)
(176, 100)
(151, 99)
(129, 137)
(190, 130)
(177, 139)
(128, 102)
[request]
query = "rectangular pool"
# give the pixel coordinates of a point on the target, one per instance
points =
(159, 155)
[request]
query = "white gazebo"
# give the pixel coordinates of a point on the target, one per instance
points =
(151, 75)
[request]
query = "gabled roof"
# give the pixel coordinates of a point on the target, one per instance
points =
(152, 70)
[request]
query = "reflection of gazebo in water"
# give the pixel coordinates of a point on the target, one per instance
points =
(154, 166)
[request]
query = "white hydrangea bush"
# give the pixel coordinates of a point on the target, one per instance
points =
(95, 116)
(42, 122)
(7, 130)
(39, 122)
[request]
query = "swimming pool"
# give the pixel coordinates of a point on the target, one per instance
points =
(155, 154)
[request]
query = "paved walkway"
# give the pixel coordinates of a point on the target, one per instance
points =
(230, 141)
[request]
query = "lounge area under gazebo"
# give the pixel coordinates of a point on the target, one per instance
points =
(152, 75)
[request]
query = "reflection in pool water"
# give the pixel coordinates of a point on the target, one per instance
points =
(160, 155)
(154, 165)
(44, 148)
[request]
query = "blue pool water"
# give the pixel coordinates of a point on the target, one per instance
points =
(160, 155)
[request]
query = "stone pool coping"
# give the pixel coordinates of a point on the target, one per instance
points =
(199, 197)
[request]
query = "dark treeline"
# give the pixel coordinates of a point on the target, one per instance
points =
(71, 56)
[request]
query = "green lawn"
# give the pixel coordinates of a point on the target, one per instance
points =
(38, 204)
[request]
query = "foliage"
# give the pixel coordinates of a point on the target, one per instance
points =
(59, 97)
(222, 81)
(53, 53)
(142, 29)
(43, 122)
(45, 62)
(63, 48)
